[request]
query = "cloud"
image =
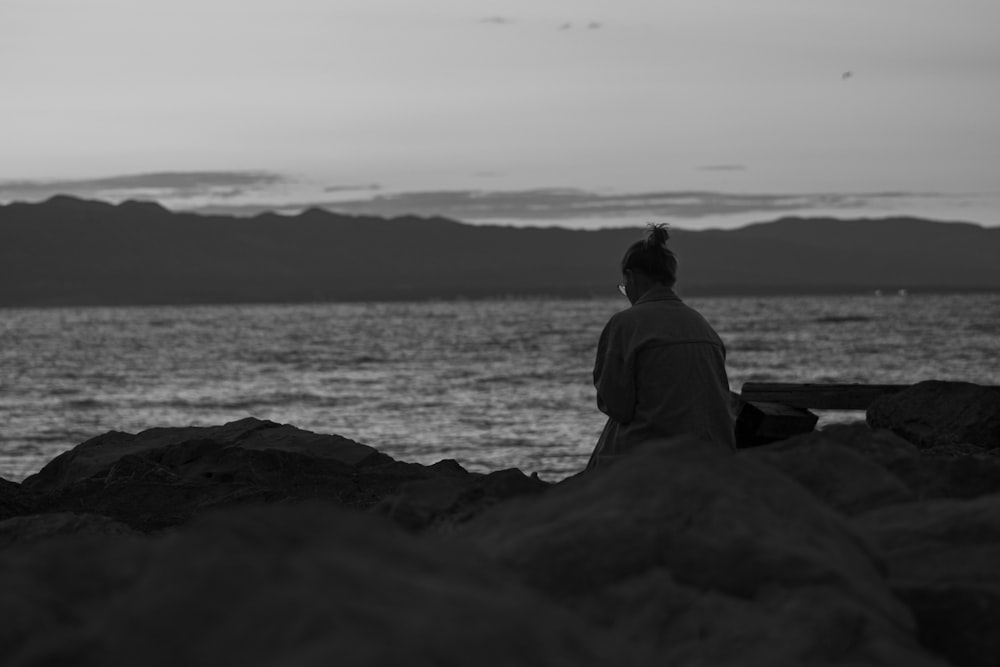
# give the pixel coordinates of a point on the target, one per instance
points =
(157, 185)
(590, 25)
(556, 204)
(254, 192)
(352, 188)
(553, 205)
(723, 167)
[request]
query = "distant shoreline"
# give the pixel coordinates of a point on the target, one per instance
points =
(699, 294)
(73, 253)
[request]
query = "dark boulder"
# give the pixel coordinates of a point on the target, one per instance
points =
(836, 472)
(37, 527)
(674, 555)
(96, 456)
(951, 472)
(936, 413)
(163, 477)
(12, 499)
(442, 501)
(292, 585)
(944, 562)
(705, 558)
(877, 445)
(954, 471)
(165, 487)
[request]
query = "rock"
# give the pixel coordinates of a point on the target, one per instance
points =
(98, 455)
(166, 487)
(941, 473)
(292, 585)
(445, 500)
(936, 413)
(954, 471)
(33, 528)
(944, 562)
(833, 471)
(684, 625)
(878, 445)
(958, 450)
(12, 499)
(705, 558)
(163, 477)
(674, 555)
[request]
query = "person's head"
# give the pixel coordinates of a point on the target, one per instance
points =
(648, 263)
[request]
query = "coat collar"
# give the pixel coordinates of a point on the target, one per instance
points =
(658, 294)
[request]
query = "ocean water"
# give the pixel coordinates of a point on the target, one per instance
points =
(493, 384)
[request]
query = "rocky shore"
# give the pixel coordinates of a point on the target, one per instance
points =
(254, 543)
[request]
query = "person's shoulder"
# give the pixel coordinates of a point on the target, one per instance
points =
(623, 319)
(630, 314)
(676, 316)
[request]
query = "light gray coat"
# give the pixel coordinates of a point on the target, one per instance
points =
(660, 372)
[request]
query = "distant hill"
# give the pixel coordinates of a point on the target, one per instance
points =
(68, 251)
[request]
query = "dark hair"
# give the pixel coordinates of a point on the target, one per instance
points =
(652, 257)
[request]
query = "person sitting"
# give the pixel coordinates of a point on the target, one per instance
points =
(660, 370)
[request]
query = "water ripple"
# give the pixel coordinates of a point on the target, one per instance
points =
(493, 384)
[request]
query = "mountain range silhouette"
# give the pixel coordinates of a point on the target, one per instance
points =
(68, 251)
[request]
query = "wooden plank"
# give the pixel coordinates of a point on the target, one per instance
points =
(822, 396)
(818, 396)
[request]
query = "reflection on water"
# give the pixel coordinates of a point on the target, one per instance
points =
(493, 384)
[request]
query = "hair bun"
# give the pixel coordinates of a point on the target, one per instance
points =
(652, 257)
(658, 235)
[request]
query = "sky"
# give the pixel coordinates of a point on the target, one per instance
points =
(581, 113)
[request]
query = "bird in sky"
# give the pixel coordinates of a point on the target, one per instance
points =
(847, 75)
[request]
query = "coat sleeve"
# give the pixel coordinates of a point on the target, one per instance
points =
(614, 375)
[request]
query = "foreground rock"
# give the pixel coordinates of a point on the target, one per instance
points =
(706, 559)
(305, 585)
(23, 530)
(849, 546)
(848, 468)
(933, 514)
(854, 469)
(12, 499)
(164, 477)
(100, 456)
(941, 414)
(944, 562)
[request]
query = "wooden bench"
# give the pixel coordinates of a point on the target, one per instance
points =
(818, 396)
(771, 411)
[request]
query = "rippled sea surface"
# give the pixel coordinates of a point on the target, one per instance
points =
(493, 384)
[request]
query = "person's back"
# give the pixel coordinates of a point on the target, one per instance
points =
(660, 367)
